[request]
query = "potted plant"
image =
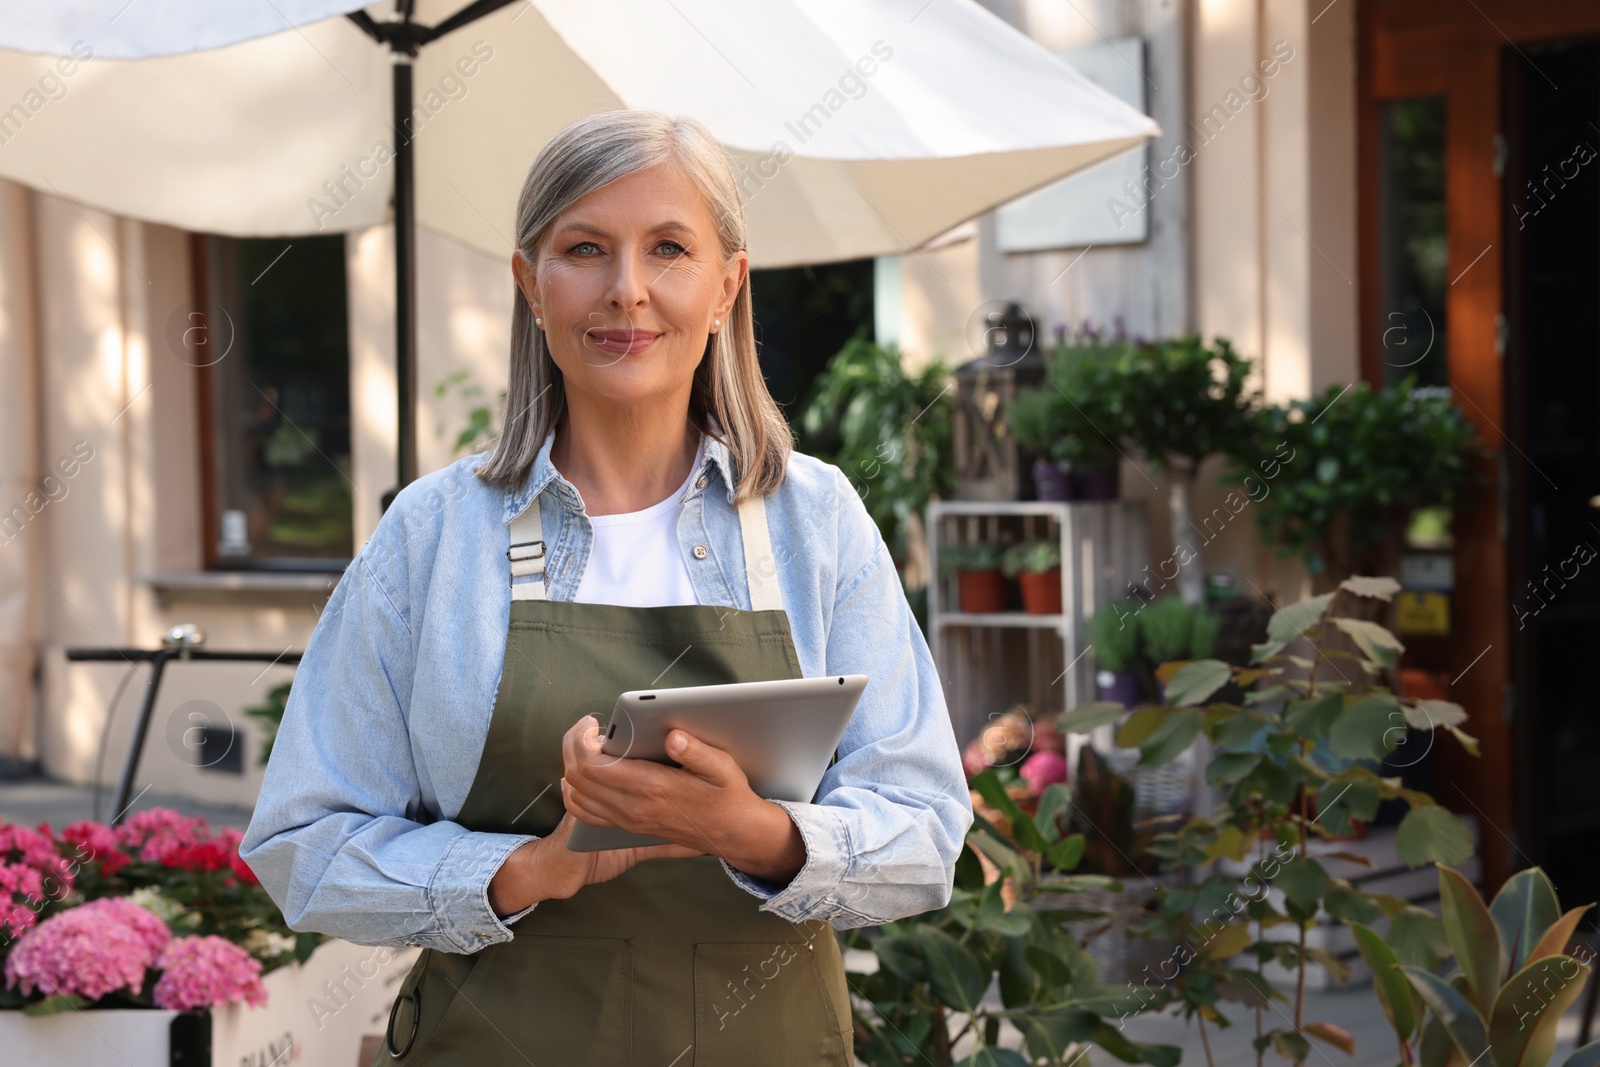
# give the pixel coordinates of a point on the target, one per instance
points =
(1363, 463)
(1065, 423)
(1172, 630)
(1175, 402)
(1118, 652)
(888, 431)
(1266, 744)
(1017, 890)
(979, 580)
(1036, 565)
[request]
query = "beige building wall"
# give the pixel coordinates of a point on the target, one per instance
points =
(112, 555)
(1256, 241)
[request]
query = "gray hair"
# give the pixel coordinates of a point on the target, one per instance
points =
(728, 383)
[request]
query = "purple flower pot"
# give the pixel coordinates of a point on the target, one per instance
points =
(1096, 485)
(1122, 688)
(1050, 482)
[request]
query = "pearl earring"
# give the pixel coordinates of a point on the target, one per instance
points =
(537, 321)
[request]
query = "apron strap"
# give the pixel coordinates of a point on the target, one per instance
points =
(527, 555)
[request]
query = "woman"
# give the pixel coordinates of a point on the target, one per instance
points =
(641, 522)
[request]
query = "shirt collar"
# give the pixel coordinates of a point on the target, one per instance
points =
(544, 473)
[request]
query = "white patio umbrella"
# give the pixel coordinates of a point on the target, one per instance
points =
(860, 127)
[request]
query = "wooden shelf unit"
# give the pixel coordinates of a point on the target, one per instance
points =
(990, 662)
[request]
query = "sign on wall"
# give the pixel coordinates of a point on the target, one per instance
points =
(1073, 212)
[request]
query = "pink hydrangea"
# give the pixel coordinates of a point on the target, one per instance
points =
(1043, 769)
(198, 972)
(95, 842)
(159, 834)
(91, 950)
(32, 873)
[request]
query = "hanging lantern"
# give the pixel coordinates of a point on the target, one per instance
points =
(990, 465)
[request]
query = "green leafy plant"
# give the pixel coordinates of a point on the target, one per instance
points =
(1172, 630)
(889, 431)
(1114, 633)
(271, 715)
(1065, 418)
(480, 416)
(1363, 463)
(1301, 735)
(1007, 924)
(1512, 979)
(976, 556)
(1034, 556)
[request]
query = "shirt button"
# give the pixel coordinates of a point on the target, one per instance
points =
(701, 482)
(700, 552)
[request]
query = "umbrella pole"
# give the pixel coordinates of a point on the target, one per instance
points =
(405, 274)
(404, 37)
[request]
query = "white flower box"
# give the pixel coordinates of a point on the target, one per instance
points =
(315, 1016)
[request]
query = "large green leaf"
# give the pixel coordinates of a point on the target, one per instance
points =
(1460, 1019)
(1087, 717)
(1391, 987)
(993, 1057)
(1293, 621)
(1303, 882)
(954, 974)
(1473, 937)
(902, 954)
(1432, 714)
(1523, 910)
(1023, 831)
(1374, 588)
(1432, 835)
(1175, 734)
(1370, 728)
(1522, 1026)
(1313, 717)
(1195, 682)
(1417, 937)
(1343, 799)
(1378, 644)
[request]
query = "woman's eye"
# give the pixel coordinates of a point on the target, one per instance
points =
(583, 244)
(673, 248)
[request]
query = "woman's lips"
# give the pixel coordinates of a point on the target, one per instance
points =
(622, 342)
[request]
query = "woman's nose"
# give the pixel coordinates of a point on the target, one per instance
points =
(629, 283)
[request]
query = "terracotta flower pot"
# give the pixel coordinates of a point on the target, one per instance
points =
(982, 591)
(1041, 591)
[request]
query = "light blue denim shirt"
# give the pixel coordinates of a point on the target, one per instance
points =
(353, 834)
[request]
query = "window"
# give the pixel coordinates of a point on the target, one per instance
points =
(271, 343)
(1414, 252)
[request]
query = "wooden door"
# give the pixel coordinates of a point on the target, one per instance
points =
(1455, 52)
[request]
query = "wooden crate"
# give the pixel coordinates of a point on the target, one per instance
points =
(990, 662)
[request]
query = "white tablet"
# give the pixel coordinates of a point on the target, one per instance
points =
(782, 733)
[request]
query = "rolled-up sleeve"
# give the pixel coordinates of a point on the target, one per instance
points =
(891, 815)
(340, 837)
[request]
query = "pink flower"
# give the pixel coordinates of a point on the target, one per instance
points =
(1042, 769)
(95, 842)
(161, 833)
(91, 950)
(32, 873)
(198, 972)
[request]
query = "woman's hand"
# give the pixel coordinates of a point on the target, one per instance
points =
(706, 803)
(547, 870)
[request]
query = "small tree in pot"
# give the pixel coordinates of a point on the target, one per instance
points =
(1037, 567)
(979, 580)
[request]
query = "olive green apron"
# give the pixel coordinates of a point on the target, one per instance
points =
(670, 964)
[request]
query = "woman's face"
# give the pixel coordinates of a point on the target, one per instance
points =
(629, 281)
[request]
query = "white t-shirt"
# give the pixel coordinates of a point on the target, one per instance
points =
(636, 559)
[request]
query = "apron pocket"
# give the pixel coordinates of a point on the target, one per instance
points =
(539, 999)
(766, 1004)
